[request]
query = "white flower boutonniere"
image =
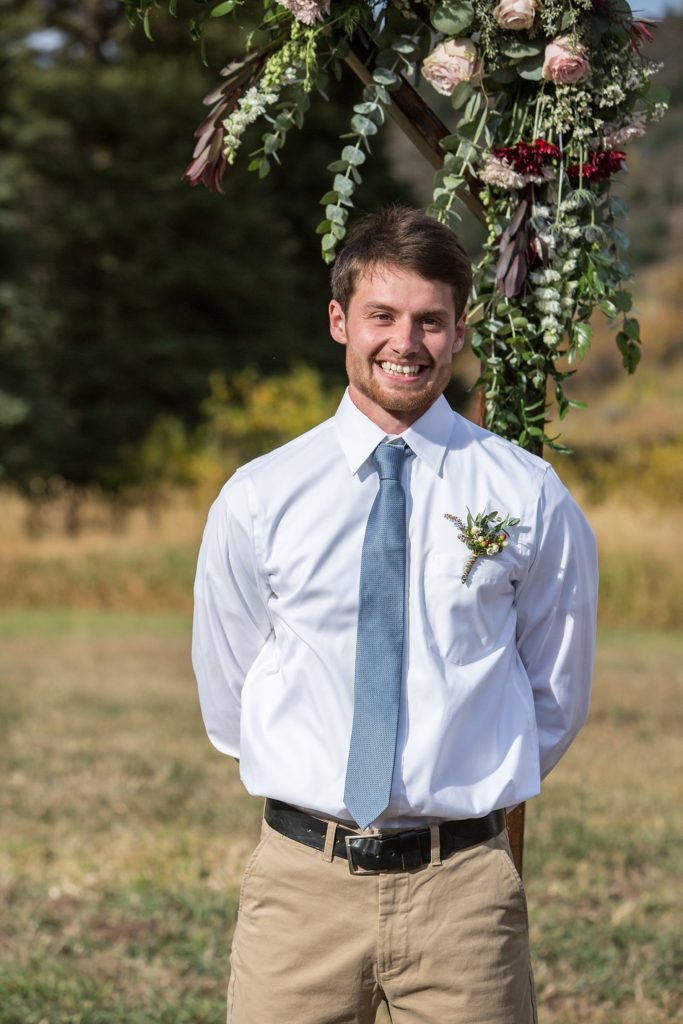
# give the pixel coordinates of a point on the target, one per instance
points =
(484, 534)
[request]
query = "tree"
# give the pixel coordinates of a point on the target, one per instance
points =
(126, 288)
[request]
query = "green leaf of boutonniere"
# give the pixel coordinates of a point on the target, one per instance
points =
(485, 535)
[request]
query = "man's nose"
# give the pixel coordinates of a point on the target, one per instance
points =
(406, 337)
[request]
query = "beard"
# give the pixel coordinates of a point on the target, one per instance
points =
(396, 398)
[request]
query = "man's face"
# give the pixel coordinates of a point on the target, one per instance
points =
(400, 334)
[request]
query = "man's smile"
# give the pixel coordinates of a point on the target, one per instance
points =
(400, 371)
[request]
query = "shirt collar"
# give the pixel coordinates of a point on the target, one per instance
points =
(428, 437)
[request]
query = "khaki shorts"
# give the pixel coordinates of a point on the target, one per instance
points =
(440, 944)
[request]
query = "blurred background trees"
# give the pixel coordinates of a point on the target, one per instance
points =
(123, 290)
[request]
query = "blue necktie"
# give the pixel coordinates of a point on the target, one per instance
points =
(379, 645)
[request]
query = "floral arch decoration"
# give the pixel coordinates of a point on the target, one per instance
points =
(544, 96)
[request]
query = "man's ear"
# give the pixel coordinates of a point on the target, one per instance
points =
(460, 332)
(337, 322)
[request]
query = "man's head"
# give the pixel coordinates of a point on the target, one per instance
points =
(400, 285)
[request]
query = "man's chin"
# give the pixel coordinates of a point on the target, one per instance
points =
(401, 399)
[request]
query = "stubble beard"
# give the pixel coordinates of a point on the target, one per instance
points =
(397, 400)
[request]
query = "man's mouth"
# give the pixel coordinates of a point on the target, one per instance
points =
(401, 369)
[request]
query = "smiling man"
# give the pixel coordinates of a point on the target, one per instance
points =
(390, 699)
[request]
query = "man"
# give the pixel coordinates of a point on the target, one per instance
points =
(389, 702)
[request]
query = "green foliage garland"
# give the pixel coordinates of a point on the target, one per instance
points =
(543, 96)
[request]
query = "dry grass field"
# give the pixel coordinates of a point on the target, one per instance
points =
(149, 564)
(124, 834)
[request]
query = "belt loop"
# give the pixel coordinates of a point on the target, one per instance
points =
(435, 833)
(328, 852)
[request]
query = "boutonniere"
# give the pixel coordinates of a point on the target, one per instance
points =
(484, 534)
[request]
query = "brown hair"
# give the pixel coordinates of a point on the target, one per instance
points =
(399, 236)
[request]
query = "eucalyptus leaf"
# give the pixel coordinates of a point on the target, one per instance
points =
(336, 214)
(517, 49)
(365, 108)
(449, 142)
(404, 45)
(386, 77)
(343, 185)
(353, 155)
(363, 125)
(461, 95)
(531, 68)
(473, 107)
(453, 17)
(441, 198)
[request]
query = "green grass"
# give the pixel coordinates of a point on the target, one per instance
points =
(124, 834)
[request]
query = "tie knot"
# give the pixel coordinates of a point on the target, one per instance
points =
(389, 459)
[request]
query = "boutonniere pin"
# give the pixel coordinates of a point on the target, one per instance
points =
(485, 534)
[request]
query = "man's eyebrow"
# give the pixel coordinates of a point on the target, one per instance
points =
(439, 311)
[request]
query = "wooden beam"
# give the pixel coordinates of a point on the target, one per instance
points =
(416, 118)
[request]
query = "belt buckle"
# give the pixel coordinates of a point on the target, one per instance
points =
(352, 842)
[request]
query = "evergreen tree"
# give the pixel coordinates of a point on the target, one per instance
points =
(125, 287)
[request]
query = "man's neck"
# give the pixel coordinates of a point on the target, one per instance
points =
(389, 420)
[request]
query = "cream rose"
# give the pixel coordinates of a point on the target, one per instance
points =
(450, 63)
(515, 15)
(565, 61)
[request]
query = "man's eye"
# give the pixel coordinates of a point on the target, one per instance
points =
(382, 316)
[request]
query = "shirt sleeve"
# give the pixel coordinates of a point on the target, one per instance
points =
(231, 622)
(556, 617)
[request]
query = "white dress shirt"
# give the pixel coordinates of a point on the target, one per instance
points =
(496, 671)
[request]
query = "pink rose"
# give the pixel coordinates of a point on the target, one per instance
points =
(450, 63)
(565, 61)
(307, 11)
(515, 15)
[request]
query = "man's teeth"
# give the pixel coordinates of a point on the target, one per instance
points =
(409, 371)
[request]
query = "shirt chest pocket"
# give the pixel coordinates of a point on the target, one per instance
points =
(468, 621)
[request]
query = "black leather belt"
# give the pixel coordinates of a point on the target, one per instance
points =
(374, 853)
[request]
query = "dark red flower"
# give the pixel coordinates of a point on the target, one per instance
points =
(603, 164)
(548, 149)
(528, 157)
